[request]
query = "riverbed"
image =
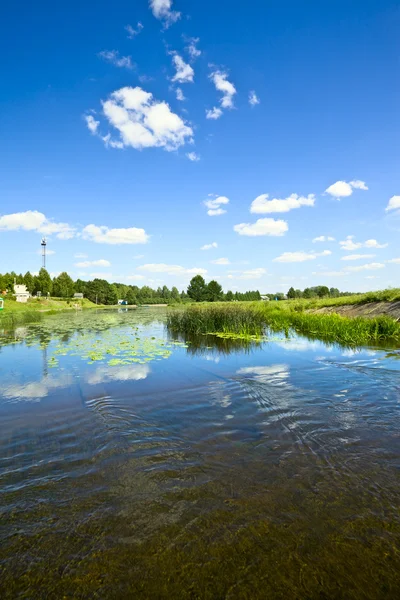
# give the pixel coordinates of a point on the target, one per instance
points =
(138, 464)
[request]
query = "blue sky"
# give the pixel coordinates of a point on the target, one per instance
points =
(288, 132)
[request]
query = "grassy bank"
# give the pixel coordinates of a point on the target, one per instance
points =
(15, 313)
(261, 318)
(391, 295)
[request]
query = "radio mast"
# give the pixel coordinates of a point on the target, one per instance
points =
(43, 244)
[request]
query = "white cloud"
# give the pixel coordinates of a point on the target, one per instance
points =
(221, 261)
(293, 257)
(249, 274)
(214, 205)
(214, 113)
(262, 205)
(253, 98)
(102, 275)
(92, 124)
(124, 373)
(219, 78)
(394, 260)
(273, 227)
(342, 189)
(134, 277)
(394, 203)
(209, 246)
(113, 57)
(350, 245)
(192, 49)
(357, 256)
(133, 32)
(193, 156)
(105, 235)
(324, 238)
(93, 263)
(367, 267)
(80, 255)
(179, 95)
(172, 269)
(36, 389)
(184, 72)
(161, 9)
(32, 220)
(144, 122)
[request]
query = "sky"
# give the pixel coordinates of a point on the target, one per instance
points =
(256, 143)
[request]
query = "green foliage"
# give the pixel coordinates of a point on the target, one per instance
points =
(63, 286)
(214, 291)
(197, 289)
(43, 283)
(29, 282)
(291, 293)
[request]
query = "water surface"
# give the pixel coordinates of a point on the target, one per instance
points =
(135, 465)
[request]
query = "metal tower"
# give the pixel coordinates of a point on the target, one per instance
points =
(43, 244)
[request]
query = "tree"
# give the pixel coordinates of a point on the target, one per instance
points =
(322, 291)
(291, 293)
(43, 283)
(175, 294)
(334, 293)
(130, 297)
(197, 289)
(63, 286)
(29, 282)
(112, 295)
(214, 291)
(229, 296)
(307, 293)
(80, 286)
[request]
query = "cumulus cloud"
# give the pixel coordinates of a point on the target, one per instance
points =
(293, 257)
(32, 220)
(162, 10)
(253, 98)
(105, 235)
(80, 255)
(172, 269)
(133, 32)
(394, 203)
(92, 124)
(350, 245)
(249, 274)
(367, 267)
(262, 205)
(144, 122)
(36, 389)
(192, 48)
(342, 189)
(113, 57)
(209, 246)
(193, 156)
(394, 260)
(179, 95)
(357, 256)
(324, 238)
(93, 263)
(221, 261)
(272, 227)
(214, 205)
(184, 72)
(214, 113)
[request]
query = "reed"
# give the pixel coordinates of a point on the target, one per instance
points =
(257, 319)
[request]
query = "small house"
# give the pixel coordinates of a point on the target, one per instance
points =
(122, 303)
(21, 293)
(78, 296)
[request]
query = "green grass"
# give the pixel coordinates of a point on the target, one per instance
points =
(15, 313)
(262, 318)
(390, 295)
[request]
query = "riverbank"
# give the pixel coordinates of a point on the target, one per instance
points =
(259, 319)
(33, 311)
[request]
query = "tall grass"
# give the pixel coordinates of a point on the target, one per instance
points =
(390, 295)
(260, 318)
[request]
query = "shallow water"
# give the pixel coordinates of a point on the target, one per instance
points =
(133, 465)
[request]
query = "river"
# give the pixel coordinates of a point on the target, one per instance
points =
(135, 465)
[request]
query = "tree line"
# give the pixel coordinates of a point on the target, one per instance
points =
(319, 291)
(101, 291)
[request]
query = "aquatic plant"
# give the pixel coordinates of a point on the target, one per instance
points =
(258, 319)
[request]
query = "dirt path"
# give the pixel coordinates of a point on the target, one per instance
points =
(370, 310)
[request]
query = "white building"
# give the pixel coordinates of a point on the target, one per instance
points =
(21, 293)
